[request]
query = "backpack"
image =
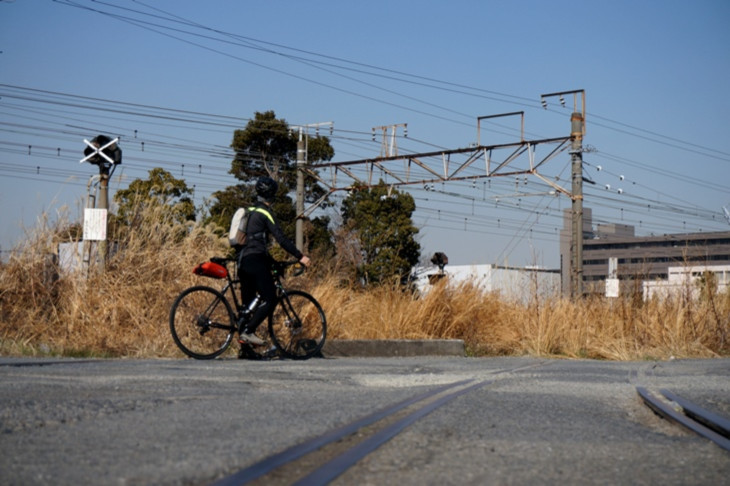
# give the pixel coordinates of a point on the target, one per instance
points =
(237, 232)
(239, 225)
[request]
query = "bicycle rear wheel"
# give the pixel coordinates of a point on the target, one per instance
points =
(202, 322)
(298, 326)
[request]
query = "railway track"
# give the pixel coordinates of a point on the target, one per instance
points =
(703, 422)
(330, 455)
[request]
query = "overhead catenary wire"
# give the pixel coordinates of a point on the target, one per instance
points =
(206, 122)
(183, 148)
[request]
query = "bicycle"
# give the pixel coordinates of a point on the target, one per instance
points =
(203, 321)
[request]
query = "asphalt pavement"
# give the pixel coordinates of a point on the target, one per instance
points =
(534, 421)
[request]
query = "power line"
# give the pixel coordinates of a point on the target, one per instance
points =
(251, 43)
(182, 151)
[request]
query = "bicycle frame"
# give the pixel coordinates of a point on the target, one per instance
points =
(234, 285)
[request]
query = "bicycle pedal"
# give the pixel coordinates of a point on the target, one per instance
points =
(247, 352)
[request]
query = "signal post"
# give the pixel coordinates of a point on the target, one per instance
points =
(105, 153)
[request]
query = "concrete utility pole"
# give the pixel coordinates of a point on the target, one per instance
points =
(301, 162)
(301, 166)
(576, 155)
(103, 204)
(577, 130)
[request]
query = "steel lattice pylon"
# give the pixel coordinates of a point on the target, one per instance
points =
(472, 163)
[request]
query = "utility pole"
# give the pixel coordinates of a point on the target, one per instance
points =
(576, 155)
(577, 130)
(301, 162)
(301, 165)
(104, 206)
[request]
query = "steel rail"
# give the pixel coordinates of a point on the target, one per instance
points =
(688, 414)
(330, 470)
(711, 420)
(295, 452)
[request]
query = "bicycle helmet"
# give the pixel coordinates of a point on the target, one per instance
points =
(266, 188)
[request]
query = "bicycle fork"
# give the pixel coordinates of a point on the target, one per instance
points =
(292, 321)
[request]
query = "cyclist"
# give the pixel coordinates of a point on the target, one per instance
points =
(254, 261)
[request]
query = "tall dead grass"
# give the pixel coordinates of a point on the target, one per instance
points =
(492, 325)
(123, 311)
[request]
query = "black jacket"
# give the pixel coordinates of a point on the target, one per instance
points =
(259, 227)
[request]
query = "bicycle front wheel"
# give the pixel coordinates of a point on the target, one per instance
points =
(202, 322)
(298, 326)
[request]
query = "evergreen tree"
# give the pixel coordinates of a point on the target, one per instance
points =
(380, 218)
(160, 190)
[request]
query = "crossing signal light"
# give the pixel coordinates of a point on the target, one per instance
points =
(103, 151)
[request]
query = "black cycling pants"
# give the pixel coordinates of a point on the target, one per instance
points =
(255, 274)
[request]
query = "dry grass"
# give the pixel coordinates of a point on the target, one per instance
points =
(490, 325)
(124, 310)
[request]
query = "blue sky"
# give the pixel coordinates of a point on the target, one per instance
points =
(654, 72)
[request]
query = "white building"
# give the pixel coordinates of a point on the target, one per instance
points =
(511, 282)
(686, 279)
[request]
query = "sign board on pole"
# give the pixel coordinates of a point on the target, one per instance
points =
(95, 224)
(612, 287)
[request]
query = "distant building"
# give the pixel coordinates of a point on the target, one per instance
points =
(640, 258)
(511, 282)
(686, 281)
